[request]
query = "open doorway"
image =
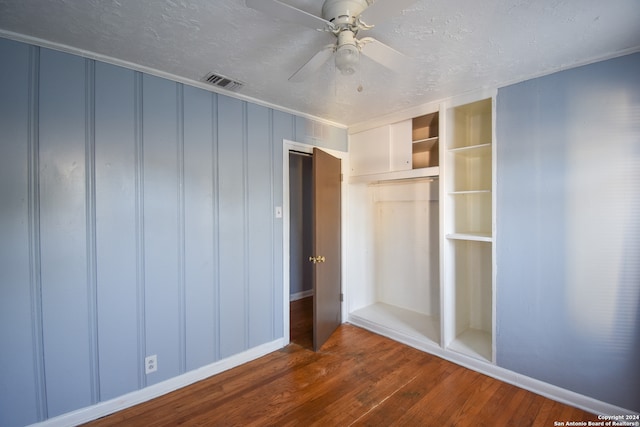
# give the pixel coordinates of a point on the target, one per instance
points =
(326, 256)
(301, 246)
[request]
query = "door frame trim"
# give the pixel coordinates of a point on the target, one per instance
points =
(288, 145)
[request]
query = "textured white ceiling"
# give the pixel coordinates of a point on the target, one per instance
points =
(455, 45)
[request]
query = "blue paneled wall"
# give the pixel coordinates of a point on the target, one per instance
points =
(568, 230)
(136, 218)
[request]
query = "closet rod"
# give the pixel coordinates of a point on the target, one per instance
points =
(404, 180)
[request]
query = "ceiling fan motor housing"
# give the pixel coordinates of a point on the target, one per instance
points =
(343, 13)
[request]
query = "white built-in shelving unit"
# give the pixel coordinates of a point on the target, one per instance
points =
(468, 228)
(421, 204)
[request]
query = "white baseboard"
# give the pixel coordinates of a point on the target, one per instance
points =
(542, 388)
(300, 295)
(102, 409)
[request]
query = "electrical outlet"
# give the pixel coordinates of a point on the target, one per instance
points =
(150, 364)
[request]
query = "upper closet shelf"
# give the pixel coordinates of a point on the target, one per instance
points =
(475, 236)
(456, 193)
(433, 171)
(426, 143)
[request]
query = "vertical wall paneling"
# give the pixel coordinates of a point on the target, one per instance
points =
(283, 127)
(231, 230)
(116, 232)
(33, 188)
(137, 218)
(19, 404)
(215, 160)
(182, 357)
(272, 239)
(312, 132)
(260, 225)
(161, 227)
(198, 228)
(63, 236)
(90, 205)
(139, 212)
(246, 214)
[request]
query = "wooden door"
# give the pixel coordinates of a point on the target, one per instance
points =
(327, 246)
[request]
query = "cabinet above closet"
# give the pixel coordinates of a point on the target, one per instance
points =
(401, 150)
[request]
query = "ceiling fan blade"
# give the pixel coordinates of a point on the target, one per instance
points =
(313, 64)
(381, 10)
(383, 54)
(277, 9)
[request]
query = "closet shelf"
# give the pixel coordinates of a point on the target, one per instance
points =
(433, 171)
(456, 193)
(424, 144)
(471, 235)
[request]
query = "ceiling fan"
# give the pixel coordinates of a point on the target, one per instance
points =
(344, 19)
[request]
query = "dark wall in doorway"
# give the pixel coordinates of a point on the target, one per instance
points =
(300, 220)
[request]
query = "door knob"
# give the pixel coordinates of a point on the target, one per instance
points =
(317, 259)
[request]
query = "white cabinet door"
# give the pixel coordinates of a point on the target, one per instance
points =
(401, 152)
(383, 149)
(369, 151)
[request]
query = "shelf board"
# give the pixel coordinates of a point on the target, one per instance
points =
(422, 147)
(407, 322)
(456, 193)
(474, 343)
(433, 171)
(472, 150)
(471, 235)
(424, 144)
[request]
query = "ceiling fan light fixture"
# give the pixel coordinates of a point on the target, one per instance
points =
(347, 57)
(347, 53)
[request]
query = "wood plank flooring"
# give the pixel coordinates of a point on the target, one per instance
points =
(301, 321)
(357, 379)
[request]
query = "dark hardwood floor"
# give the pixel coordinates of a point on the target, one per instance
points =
(301, 321)
(358, 378)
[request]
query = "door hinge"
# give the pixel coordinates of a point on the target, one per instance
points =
(341, 297)
(341, 177)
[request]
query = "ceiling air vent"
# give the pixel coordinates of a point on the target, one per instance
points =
(222, 81)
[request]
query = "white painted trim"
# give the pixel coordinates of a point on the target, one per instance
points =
(542, 388)
(139, 396)
(300, 295)
(155, 72)
(288, 145)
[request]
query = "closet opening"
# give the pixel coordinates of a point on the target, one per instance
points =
(399, 225)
